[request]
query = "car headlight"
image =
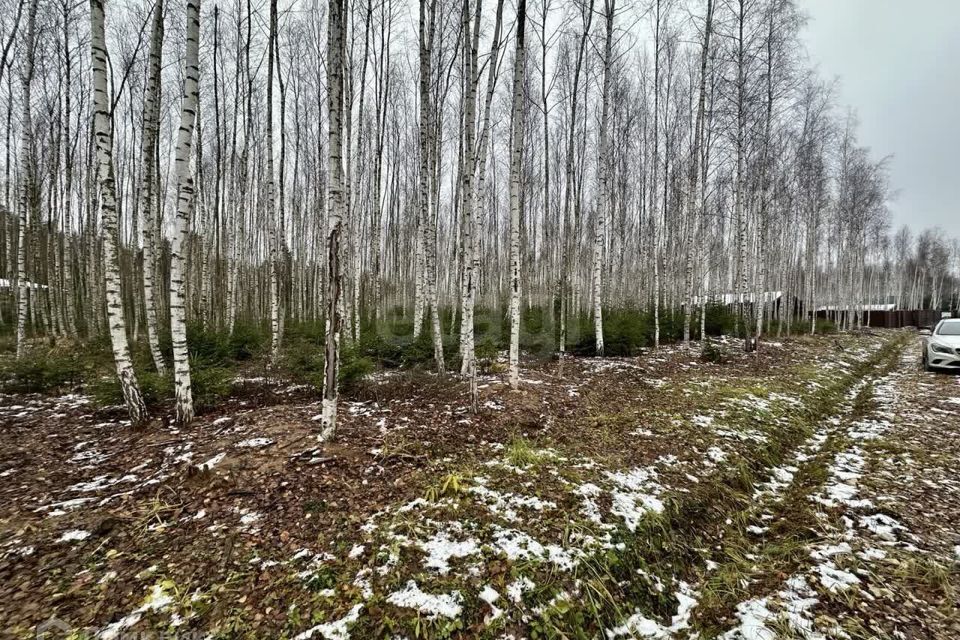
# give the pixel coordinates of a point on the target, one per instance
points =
(940, 348)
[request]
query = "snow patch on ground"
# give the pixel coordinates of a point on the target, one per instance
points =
(336, 630)
(157, 600)
(441, 548)
(640, 626)
(445, 605)
(637, 494)
(74, 535)
(254, 443)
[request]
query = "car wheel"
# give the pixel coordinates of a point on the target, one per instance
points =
(926, 363)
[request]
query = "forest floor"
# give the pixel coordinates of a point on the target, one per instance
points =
(808, 491)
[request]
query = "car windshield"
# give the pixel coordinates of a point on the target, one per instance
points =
(949, 329)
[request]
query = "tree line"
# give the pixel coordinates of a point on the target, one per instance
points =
(168, 163)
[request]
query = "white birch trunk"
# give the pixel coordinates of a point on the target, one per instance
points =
(334, 319)
(103, 134)
(693, 197)
(185, 196)
(271, 196)
(151, 130)
(516, 153)
(468, 365)
(603, 167)
(26, 179)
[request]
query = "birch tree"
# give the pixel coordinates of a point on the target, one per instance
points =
(336, 18)
(603, 166)
(148, 224)
(516, 153)
(185, 204)
(103, 134)
(272, 223)
(26, 168)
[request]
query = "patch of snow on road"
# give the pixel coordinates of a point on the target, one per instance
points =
(752, 616)
(716, 454)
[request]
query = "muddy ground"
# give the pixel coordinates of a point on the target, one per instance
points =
(808, 491)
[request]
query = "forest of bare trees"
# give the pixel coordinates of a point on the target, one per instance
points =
(177, 164)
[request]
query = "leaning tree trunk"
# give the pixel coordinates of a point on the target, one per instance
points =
(185, 196)
(334, 318)
(103, 134)
(151, 131)
(516, 152)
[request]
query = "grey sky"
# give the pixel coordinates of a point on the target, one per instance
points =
(897, 62)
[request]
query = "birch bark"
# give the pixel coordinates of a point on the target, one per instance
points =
(516, 153)
(603, 167)
(693, 196)
(185, 198)
(271, 195)
(151, 131)
(26, 180)
(102, 128)
(334, 319)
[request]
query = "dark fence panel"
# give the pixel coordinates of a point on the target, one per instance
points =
(890, 319)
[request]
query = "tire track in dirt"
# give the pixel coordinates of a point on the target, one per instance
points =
(848, 575)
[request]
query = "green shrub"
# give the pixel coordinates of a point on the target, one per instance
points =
(209, 385)
(418, 350)
(486, 349)
(8, 342)
(302, 362)
(719, 320)
(712, 352)
(43, 371)
(354, 367)
(207, 345)
(824, 325)
(312, 331)
(246, 341)
(534, 320)
(221, 347)
(377, 348)
(154, 388)
(105, 391)
(625, 332)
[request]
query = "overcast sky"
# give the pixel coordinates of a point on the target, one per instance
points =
(898, 63)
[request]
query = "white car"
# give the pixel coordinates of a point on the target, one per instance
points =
(941, 347)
